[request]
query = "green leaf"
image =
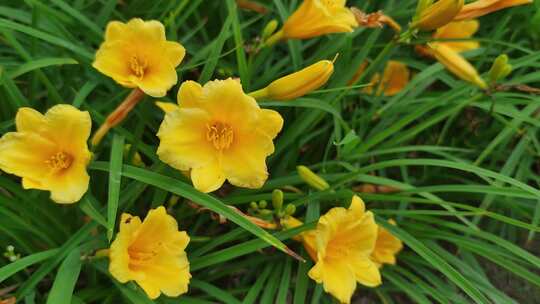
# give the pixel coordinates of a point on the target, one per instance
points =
(115, 177)
(38, 64)
(66, 278)
(179, 188)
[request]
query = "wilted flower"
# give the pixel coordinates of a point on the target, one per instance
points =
(137, 55)
(219, 133)
(50, 151)
(386, 247)
(341, 247)
(299, 83)
(151, 253)
(483, 7)
(437, 14)
(456, 64)
(395, 77)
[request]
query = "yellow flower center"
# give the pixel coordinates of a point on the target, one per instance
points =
(220, 135)
(143, 256)
(138, 66)
(330, 4)
(59, 161)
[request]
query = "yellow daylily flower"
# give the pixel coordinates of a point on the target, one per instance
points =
(458, 30)
(151, 253)
(50, 152)
(438, 14)
(219, 133)
(395, 77)
(456, 64)
(386, 247)
(483, 7)
(316, 18)
(299, 83)
(341, 246)
(136, 54)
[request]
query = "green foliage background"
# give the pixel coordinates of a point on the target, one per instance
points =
(468, 164)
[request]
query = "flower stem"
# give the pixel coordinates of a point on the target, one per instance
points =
(118, 115)
(259, 94)
(277, 36)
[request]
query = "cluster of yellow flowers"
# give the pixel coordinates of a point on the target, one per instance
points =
(218, 132)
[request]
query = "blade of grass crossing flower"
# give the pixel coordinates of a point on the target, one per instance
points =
(66, 278)
(179, 188)
(437, 262)
(242, 249)
(115, 177)
(254, 291)
(239, 45)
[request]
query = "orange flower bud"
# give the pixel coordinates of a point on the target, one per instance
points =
(299, 83)
(438, 14)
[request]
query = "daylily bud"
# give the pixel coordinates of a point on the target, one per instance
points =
(277, 199)
(290, 209)
(289, 222)
(263, 204)
(438, 14)
(456, 64)
(500, 68)
(312, 179)
(254, 205)
(483, 7)
(421, 6)
(299, 83)
(269, 29)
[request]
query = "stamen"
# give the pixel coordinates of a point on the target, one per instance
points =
(220, 135)
(59, 161)
(138, 66)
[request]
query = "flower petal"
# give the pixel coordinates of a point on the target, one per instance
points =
(183, 143)
(226, 101)
(175, 52)
(111, 60)
(29, 120)
(158, 79)
(148, 31)
(208, 178)
(244, 163)
(18, 155)
(119, 256)
(167, 106)
(270, 122)
(366, 271)
(70, 129)
(189, 94)
(69, 186)
(337, 279)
